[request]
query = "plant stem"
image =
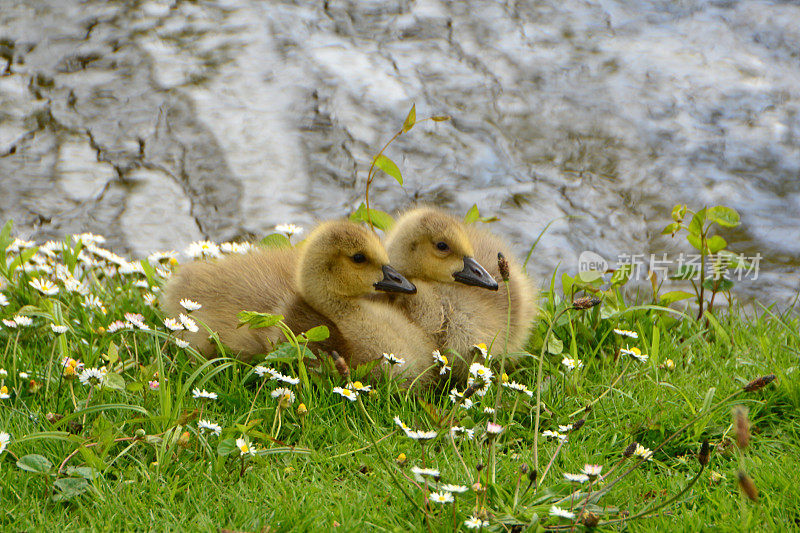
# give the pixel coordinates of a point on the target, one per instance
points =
(609, 389)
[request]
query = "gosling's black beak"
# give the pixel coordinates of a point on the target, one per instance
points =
(475, 274)
(393, 281)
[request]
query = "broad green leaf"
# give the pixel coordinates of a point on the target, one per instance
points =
(286, 353)
(114, 382)
(411, 119)
(671, 229)
(38, 464)
(5, 235)
(698, 220)
(566, 283)
(319, 333)
(724, 216)
(472, 215)
(733, 260)
(674, 296)
(258, 320)
(589, 276)
(718, 329)
(718, 285)
(678, 212)
(84, 472)
(382, 221)
(70, 487)
(112, 354)
(697, 242)
(686, 272)
(622, 275)
(715, 244)
(554, 345)
(149, 272)
(276, 240)
(388, 166)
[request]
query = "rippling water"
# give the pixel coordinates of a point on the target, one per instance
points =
(157, 123)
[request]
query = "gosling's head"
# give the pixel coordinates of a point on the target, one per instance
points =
(429, 244)
(341, 260)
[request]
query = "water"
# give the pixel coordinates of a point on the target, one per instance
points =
(158, 123)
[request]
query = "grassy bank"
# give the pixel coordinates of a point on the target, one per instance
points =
(120, 448)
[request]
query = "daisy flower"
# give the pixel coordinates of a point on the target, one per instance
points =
(24, 375)
(116, 326)
(45, 286)
(3, 300)
(493, 429)
(135, 319)
(421, 436)
(635, 352)
(92, 301)
(563, 513)
(565, 429)
(157, 257)
(576, 478)
(93, 377)
(346, 393)
(626, 333)
(290, 380)
(181, 343)
(23, 321)
(190, 305)
(519, 387)
(172, 324)
(473, 522)
(3, 373)
(58, 329)
(479, 371)
(592, 470)
(456, 430)
(4, 395)
(440, 359)
(440, 497)
(553, 435)
(572, 364)
(198, 394)
(188, 323)
(458, 489)
(484, 388)
(289, 229)
(244, 447)
(643, 452)
(5, 438)
(154, 385)
(480, 349)
(488, 410)
(150, 299)
(357, 385)
(261, 371)
(88, 238)
(421, 473)
(669, 364)
(393, 359)
(283, 394)
(235, 247)
(202, 249)
(9, 323)
(206, 426)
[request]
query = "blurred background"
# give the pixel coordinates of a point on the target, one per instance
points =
(160, 123)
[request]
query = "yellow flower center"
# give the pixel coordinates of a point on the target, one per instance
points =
(358, 385)
(3, 390)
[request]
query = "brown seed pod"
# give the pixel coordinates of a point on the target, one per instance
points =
(759, 383)
(705, 453)
(341, 364)
(742, 424)
(586, 302)
(502, 264)
(578, 425)
(630, 449)
(748, 487)
(590, 520)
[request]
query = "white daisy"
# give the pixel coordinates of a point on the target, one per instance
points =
(181, 343)
(458, 489)
(346, 393)
(261, 371)
(188, 323)
(480, 348)
(23, 321)
(553, 435)
(59, 329)
(93, 377)
(456, 430)
(473, 522)
(190, 305)
(244, 447)
(440, 359)
(485, 385)
(643, 452)
(519, 387)
(3, 300)
(172, 324)
(89, 238)
(289, 229)
(493, 429)
(565, 429)
(116, 326)
(563, 513)
(420, 435)
(154, 385)
(626, 333)
(283, 394)
(592, 470)
(4, 395)
(421, 473)
(576, 478)
(440, 497)
(45, 286)
(198, 394)
(203, 249)
(479, 371)
(5, 438)
(635, 352)
(9, 323)
(572, 364)
(3, 373)
(24, 375)
(210, 427)
(393, 359)
(488, 410)
(360, 387)
(137, 320)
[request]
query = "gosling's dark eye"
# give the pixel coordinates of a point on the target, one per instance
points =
(442, 246)
(359, 258)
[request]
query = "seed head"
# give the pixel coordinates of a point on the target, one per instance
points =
(479, 467)
(502, 264)
(742, 427)
(590, 520)
(578, 425)
(630, 449)
(705, 453)
(523, 468)
(532, 475)
(759, 383)
(586, 302)
(472, 389)
(747, 486)
(341, 364)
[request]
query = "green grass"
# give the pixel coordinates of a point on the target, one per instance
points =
(145, 473)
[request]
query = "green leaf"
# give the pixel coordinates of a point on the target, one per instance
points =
(718, 329)
(388, 166)
(733, 260)
(286, 353)
(112, 354)
(554, 345)
(724, 216)
(38, 464)
(276, 240)
(411, 119)
(566, 283)
(258, 320)
(686, 272)
(319, 333)
(5, 235)
(622, 274)
(149, 272)
(715, 244)
(696, 225)
(589, 276)
(678, 212)
(671, 229)
(697, 242)
(84, 472)
(382, 221)
(70, 487)
(472, 215)
(114, 382)
(718, 285)
(675, 296)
